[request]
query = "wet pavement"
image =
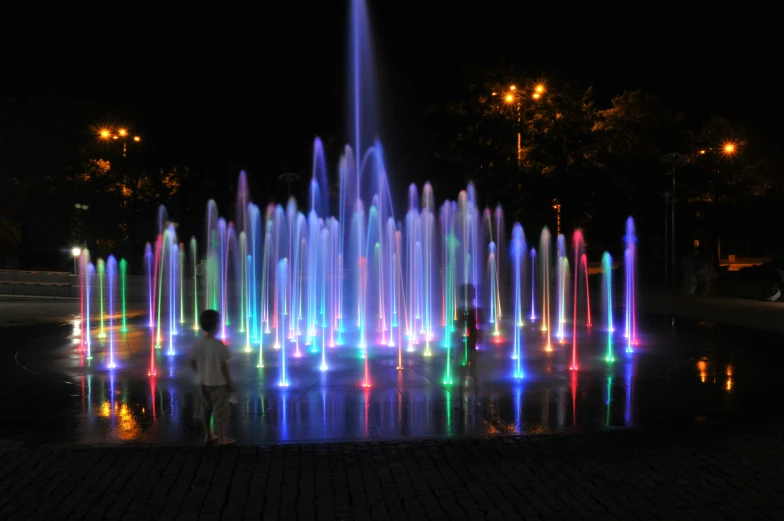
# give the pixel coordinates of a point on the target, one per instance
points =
(51, 394)
(687, 427)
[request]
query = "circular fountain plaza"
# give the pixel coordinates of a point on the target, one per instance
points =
(353, 328)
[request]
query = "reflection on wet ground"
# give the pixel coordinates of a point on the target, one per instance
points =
(693, 373)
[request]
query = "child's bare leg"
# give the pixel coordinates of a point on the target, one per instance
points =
(222, 439)
(208, 435)
(206, 415)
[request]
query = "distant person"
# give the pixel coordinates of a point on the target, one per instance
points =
(706, 276)
(689, 270)
(200, 276)
(208, 359)
(470, 318)
(776, 289)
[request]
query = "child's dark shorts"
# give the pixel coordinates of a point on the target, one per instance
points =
(215, 402)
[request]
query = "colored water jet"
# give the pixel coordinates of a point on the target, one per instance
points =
(607, 289)
(181, 281)
(577, 244)
(584, 262)
(607, 293)
(123, 289)
(561, 285)
(518, 253)
(533, 284)
(630, 261)
(87, 273)
(111, 284)
(544, 254)
(102, 297)
(196, 278)
(282, 279)
(150, 273)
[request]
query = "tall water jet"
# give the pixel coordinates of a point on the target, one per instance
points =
(533, 284)
(607, 290)
(630, 261)
(562, 285)
(282, 277)
(518, 253)
(544, 260)
(181, 281)
(246, 263)
(325, 244)
(111, 283)
(102, 297)
(494, 317)
(584, 261)
(578, 245)
(363, 105)
(173, 268)
(150, 273)
(86, 269)
(123, 287)
(196, 279)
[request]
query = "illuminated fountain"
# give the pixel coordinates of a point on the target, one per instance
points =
(544, 259)
(111, 286)
(562, 286)
(607, 293)
(279, 281)
(518, 250)
(630, 303)
(306, 287)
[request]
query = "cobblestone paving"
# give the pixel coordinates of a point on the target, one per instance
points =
(709, 474)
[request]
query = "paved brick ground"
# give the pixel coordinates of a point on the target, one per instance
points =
(725, 474)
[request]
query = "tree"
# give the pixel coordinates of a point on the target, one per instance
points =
(36, 151)
(479, 131)
(473, 138)
(632, 134)
(723, 179)
(559, 149)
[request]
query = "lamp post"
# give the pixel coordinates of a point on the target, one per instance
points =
(122, 136)
(674, 160)
(514, 97)
(75, 252)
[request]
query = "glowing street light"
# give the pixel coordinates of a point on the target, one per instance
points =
(514, 97)
(75, 252)
(122, 134)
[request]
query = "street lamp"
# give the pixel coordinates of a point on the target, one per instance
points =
(75, 252)
(119, 134)
(515, 97)
(674, 160)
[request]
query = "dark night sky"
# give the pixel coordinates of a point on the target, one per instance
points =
(257, 101)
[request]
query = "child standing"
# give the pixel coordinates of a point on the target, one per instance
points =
(208, 359)
(471, 318)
